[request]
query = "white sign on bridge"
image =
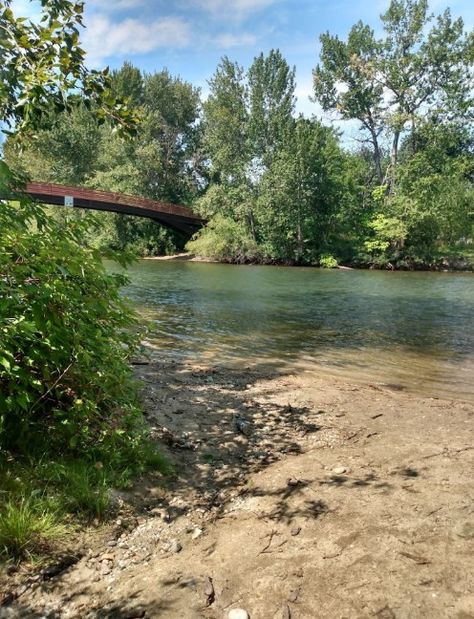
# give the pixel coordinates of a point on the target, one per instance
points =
(68, 201)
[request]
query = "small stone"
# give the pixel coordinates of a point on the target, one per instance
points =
(293, 596)
(175, 546)
(285, 612)
(295, 530)
(339, 470)
(292, 481)
(107, 557)
(244, 427)
(105, 568)
(9, 613)
(465, 529)
(112, 543)
(196, 533)
(238, 613)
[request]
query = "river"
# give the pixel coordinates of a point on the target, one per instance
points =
(412, 331)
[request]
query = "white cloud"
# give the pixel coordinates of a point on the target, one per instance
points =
(118, 5)
(26, 8)
(303, 92)
(104, 38)
(237, 8)
(229, 40)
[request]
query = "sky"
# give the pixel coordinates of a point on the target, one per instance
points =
(188, 37)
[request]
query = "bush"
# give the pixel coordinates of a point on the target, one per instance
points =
(225, 240)
(66, 337)
(327, 261)
(71, 426)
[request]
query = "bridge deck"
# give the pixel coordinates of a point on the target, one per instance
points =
(171, 215)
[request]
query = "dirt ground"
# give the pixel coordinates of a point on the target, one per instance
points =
(295, 496)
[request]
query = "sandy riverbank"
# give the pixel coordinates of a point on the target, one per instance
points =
(294, 496)
(457, 265)
(183, 257)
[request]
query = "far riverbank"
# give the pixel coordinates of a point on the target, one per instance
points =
(446, 264)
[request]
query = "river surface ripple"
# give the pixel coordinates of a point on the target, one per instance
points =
(407, 330)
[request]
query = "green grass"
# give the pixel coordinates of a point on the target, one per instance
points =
(85, 490)
(26, 527)
(43, 498)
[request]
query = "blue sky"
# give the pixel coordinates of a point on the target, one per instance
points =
(190, 36)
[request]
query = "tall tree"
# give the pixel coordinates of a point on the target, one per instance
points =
(300, 193)
(271, 104)
(347, 82)
(386, 84)
(42, 68)
(226, 123)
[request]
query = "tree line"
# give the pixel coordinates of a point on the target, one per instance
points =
(277, 187)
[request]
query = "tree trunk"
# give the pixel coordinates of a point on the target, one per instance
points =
(377, 156)
(393, 160)
(252, 226)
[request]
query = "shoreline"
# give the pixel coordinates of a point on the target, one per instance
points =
(190, 257)
(294, 493)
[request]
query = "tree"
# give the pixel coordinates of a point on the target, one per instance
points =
(127, 83)
(64, 149)
(162, 162)
(300, 194)
(271, 104)
(347, 81)
(226, 124)
(67, 334)
(421, 70)
(246, 118)
(168, 136)
(388, 84)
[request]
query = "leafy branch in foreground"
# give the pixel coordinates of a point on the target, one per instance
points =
(42, 69)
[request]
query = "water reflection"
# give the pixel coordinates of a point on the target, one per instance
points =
(413, 329)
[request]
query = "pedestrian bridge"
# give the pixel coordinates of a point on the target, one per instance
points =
(172, 216)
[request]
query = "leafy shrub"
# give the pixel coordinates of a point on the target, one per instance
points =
(327, 261)
(66, 337)
(71, 427)
(225, 240)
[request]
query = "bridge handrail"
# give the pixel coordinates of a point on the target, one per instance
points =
(56, 190)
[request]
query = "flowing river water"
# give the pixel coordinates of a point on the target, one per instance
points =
(412, 331)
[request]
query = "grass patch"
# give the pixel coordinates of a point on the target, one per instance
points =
(27, 527)
(208, 458)
(85, 489)
(41, 499)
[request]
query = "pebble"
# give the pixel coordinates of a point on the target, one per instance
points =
(465, 529)
(244, 427)
(175, 546)
(295, 530)
(238, 613)
(196, 533)
(105, 568)
(340, 470)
